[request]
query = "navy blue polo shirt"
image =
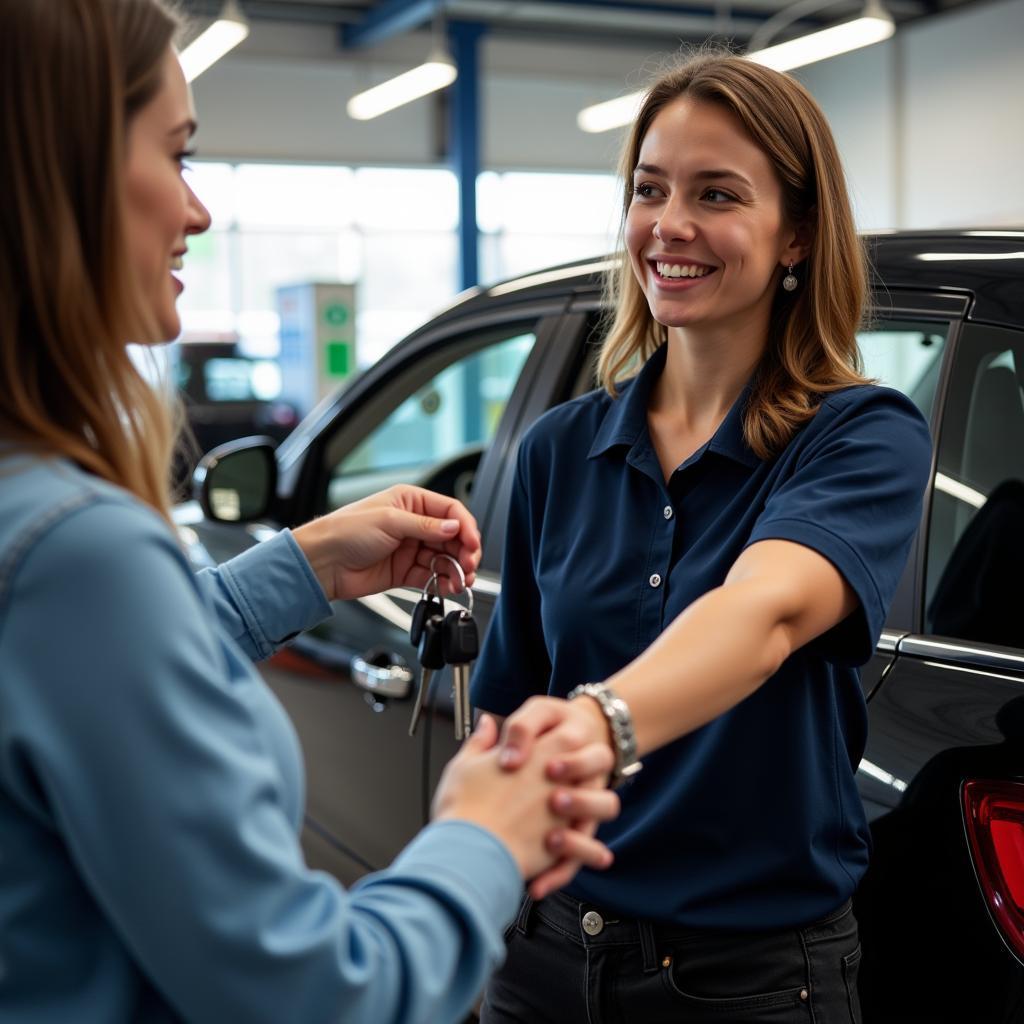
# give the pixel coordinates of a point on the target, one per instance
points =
(753, 820)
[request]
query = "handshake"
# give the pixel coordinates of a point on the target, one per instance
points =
(540, 786)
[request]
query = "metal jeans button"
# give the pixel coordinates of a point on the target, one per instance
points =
(593, 923)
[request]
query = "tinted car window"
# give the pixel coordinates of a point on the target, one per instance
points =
(905, 355)
(975, 560)
(449, 420)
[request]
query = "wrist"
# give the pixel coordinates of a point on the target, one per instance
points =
(618, 725)
(598, 728)
(312, 541)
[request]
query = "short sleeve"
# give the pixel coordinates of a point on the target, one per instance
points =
(514, 664)
(854, 495)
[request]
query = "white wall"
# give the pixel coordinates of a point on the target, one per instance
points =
(930, 124)
(858, 94)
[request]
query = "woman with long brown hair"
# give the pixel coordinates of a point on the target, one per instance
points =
(700, 554)
(150, 785)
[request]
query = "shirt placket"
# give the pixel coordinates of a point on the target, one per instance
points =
(657, 510)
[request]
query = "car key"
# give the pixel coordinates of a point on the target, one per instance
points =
(460, 648)
(431, 659)
(429, 604)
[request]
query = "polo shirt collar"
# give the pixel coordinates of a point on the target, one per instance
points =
(625, 422)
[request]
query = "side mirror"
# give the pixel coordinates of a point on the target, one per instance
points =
(237, 481)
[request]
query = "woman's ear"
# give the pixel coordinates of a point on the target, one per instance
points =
(801, 237)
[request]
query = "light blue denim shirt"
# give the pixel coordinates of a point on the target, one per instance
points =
(151, 795)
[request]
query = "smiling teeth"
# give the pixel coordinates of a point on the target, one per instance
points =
(681, 270)
(177, 263)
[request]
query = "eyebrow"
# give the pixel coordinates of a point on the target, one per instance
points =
(709, 175)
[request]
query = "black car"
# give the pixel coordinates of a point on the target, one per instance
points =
(228, 394)
(942, 907)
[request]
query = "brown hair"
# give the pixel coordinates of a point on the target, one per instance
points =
(72, 75)
(812, 344)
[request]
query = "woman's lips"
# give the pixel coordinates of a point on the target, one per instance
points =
(684, 281)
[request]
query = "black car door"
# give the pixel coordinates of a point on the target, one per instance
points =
(437, 416)
(942, 906)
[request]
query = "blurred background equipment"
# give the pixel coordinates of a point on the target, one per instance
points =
(318, 341)
(229, 394)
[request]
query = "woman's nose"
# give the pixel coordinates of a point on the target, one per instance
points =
(198, 215)
(676, 222)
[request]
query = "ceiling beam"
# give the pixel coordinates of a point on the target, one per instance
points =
(387, 19)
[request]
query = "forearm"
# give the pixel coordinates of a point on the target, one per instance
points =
(264, 595)
(716, 653)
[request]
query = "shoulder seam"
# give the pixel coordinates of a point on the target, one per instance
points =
(28, 537)
(25, 540)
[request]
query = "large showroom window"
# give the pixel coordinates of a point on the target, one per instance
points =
(393, 231)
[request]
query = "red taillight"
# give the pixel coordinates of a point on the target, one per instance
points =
(994, 814)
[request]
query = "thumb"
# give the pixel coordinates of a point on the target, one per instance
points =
(412, 525)
(483, 737)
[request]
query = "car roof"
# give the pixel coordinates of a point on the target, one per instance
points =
(988, 263)
(984, 268)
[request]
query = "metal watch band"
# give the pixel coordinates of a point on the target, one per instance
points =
(620, 722)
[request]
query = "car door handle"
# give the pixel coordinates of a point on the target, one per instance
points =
(392, 680)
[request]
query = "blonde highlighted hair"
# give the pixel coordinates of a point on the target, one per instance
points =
(812, 345)
(73, 73)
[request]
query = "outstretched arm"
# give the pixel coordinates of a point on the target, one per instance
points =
(777, 597)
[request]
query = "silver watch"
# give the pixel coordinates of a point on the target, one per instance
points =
(620, 722)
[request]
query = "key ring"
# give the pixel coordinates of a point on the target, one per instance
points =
(436, 580)
(462, 577)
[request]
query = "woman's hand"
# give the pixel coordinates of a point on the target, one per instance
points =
(583, 731)
(586, 761)
(388, 540)
(526, 810)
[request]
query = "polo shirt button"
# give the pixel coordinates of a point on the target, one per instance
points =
(593, 923)
(667, 511)
(655, 580)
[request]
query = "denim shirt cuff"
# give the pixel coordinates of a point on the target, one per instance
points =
(276, 591)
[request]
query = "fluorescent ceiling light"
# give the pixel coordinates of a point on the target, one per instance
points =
(611, 114)
(872, 27)
(223, 35)
(436, 73)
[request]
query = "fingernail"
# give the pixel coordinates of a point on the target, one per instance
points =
(450, 526)
(563, 801)
(556, 840)
(556, 770)
(507, 757)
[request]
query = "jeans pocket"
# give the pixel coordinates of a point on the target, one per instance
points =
(758, 1005)
(851, 968)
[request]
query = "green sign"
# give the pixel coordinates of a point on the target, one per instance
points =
(336, 314)
(339, 358)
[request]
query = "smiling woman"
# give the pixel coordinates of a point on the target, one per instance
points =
(71, 291)
(160, 208)
(761, 178)
(151, 790)
(714, 534)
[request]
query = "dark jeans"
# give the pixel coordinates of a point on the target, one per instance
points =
(569, 962)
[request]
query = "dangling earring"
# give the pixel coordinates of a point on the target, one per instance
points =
(789, 282)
